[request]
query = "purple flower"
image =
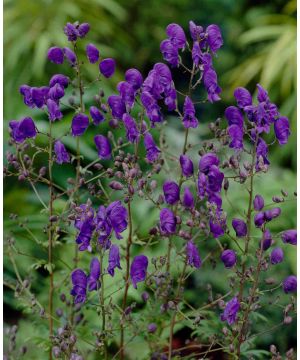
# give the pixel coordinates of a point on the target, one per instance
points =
(56, 92)
(117, 106)
(215, 179)
(243, 97)
(85, 234)
(71, 32)
(176, 34)
(53, 110)
(79, 281)
(262, 94)
(118, 217)
(259, 219)
(39, 95)
(103, 227)
(258, 202)
(171, 99)
(22, 130)
(289, 237)
(236, 134)
(134, 77)
(113, 260)
(25, 90)
(188, 198)
(187, 166)
(189, 118)
(282, 130)
(59, 79)
(266, 241)
(93, 282)
(127, 93)
(56, 55)
(96, 115)
(193, 257)
(80, 122)
(207, 161)
(272, 214)
(195, 30)
(240, 227)
(229, 258)
(234, 116)
(217, 224)
(231, 310)
(171, 192)
(138, 269)
(196, 53)
(70, 56)
(103, 147)
(107, 67)
(61, 153)
(169, 52)
(290, 284)
(132, 132)
(261, 153)
(276, 256)
(210, 81)
(92, 53)
(152, 109)
(167, 222)
(83, 29)
(151, 149)
(214, 37)
(152, 328)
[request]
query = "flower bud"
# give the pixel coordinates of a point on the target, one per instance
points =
(229, 258)
(258, 203)
(115, 185)
(276, 256)
(152, 328)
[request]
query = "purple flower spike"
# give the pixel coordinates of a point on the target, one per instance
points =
(176, 34)
(103, 147)
(107, 67)
(214, 37)
(135, 78)
(276, 256)
(229, 258)
(113, 260)
(22, 130)
(187, 166)
(289, 237)
(80, 122)
(189, 118)
(56, 55)
(240, 227)
(152, 151)
(272, 214)
(92, 53)
(53, 110)
(188, 198)
(61, 153)
(167, 222)
(96, 115)
(171, 192)
(243, 97)
(207, 161)
(70, 56)
(132, 132)
(79, 281)
(290, 284)
(138, 269)
(282, 130)
(231, 310)
(258, 202)
(93, 282)
(193, 257)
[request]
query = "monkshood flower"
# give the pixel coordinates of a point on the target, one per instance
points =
(86, 214)
(228, 258)
(118, 217)
(93, 282)
(59, 79)
(234, 116)
(176, 35)
(236, 134)
(214, 37)
(188, 198)
(272, 214)
(22, 130)
(83, 29)
(132, 132)
(196, 53)
(56, 55)
(169, 52)
(167, 222)
(259, 219)
(243, 97)
(231, 311)
(107, 67)
(79, 281)
(62, 156)
(70, 56)
(53, 110)
(80, 123)
(187, 166)
(25, 90)
(85, 235)
(171, 99)
(290, 284)
(189, 118)
(240, 227)
(276, 256)
(210, 81)
(138, 269)
(113, 260)
(56, 92)
(267, 240)
(39, 95)
(192, 253)
(217, 223)
(171, 192)
(282, 130)
(117, 105)
(258, 202)
(289, 237)
(71, 32)
(196, 31)
(207, 161)
(152, 151)
(214, 179)
(103, 227)
(265, 111)
(96, 115)
(127, 93)
(135, 78)
(261, 153)
(103, 147)
(92, 53)
(152, 109)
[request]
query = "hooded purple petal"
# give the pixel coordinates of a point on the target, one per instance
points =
(103, 147)
(61, 153)
(138, 269)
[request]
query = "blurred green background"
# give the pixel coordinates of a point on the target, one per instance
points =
(259, 46)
